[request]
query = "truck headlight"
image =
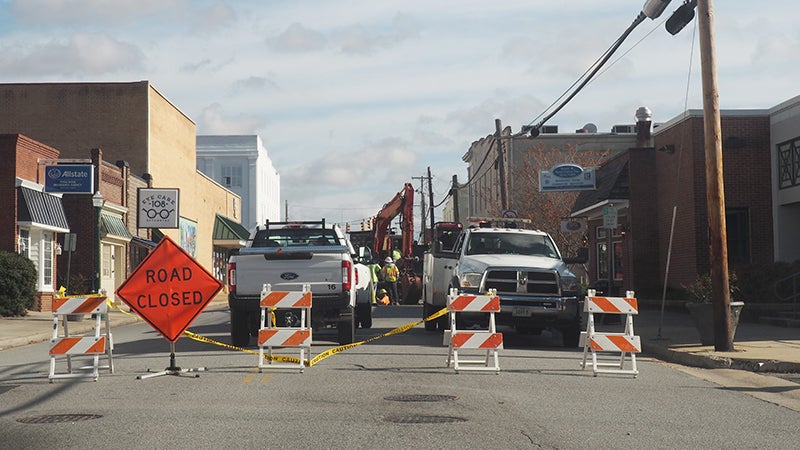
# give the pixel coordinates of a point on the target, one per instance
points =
(569, 284)
(471, 280)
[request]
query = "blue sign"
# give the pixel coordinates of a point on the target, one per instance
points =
(567, 177)
(69, 179)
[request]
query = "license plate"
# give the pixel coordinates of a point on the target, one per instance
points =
(521, 312)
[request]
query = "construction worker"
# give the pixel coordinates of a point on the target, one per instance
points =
(374, 272)
(383, 297)
(391, 274)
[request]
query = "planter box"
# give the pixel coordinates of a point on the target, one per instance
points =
(703, 317)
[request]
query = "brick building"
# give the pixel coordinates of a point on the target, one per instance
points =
(33, 217)
(647, 185)
(155, 144)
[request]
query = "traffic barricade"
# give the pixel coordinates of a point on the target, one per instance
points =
(489, 340)
(271, 336)
(63, 344)
(624, 343)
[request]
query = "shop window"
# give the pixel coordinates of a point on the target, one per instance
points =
(24, 244)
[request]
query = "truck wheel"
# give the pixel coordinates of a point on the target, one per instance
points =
(240, 329)
(364, 315)
(571, 336)
(443, 322)
(427, 310)
(345, 331)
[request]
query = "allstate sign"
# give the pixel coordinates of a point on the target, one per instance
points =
(567, 177)
(69, 179)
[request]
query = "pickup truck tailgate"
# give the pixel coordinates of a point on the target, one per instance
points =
(289, 271)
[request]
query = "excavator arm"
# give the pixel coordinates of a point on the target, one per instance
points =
(401, 203)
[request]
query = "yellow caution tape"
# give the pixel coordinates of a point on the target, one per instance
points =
(292, 359)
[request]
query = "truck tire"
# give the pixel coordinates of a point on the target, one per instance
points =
(364, 315)
(240, 329)
(345, 331)
(571, 336)
(427, 310)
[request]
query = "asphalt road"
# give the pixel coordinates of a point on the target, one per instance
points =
(392, 393)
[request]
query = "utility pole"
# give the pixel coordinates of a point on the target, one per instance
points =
(422, 207)
(715, 189)
(286, 211)
(454, 193)
(498, 127)
(430, 195)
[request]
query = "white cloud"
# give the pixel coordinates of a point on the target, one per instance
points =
(81, 55)
(352, 99)
(297, 38)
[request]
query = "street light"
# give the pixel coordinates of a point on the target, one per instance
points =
(97, 202)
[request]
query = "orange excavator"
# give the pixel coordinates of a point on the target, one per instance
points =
(402, 204)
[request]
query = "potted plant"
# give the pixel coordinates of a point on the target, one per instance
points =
(702, 311)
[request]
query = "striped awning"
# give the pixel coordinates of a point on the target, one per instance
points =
(41, 210)
(229, 233)
(114, 226)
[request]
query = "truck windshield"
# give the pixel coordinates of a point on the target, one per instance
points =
(510, 243)
(295, 237)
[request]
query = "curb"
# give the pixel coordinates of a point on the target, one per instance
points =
(707, 361)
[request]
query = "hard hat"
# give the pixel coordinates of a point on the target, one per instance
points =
(388, 259)
(382, 291)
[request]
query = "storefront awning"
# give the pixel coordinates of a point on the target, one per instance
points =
(114, 227)
(228, 233)
(41, 210)
(143, 242)
(613, 188)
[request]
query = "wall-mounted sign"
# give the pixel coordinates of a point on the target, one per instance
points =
(158, 208)
(574, 225)
(69, 179)
(610, 217)
(567, 177)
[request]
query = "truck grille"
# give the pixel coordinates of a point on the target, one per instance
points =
(523, 282)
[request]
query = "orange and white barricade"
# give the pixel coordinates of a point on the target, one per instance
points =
(623, 343)
(66, 345)
(489, 340)
(271, 336)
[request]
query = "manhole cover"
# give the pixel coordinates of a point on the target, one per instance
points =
(59, 418)
(421, 398)
(424, 419)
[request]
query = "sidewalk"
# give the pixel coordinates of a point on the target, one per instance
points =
(758, 347)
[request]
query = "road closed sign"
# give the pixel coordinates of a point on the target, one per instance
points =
(169, 289)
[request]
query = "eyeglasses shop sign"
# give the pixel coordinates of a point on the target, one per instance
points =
(158, 208)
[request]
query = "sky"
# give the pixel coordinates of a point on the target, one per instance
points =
(354, 98)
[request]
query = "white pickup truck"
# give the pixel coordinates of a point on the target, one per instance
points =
(288, 255)
(535, 287)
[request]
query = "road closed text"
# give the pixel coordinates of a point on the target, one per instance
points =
(172, 297)
(169, 299)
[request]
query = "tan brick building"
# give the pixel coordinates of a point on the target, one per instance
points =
(145, 136)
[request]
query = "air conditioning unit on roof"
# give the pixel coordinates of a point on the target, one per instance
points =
(623, 129)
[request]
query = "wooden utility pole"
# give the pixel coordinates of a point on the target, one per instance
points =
(501, 167)
(715, 195)
(430, 195)
(454, 193)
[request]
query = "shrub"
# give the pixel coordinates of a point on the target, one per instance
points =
(17, 284)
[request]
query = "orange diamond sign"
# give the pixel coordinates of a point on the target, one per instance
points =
(169, 289)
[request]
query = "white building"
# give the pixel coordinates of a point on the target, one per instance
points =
(241, 164)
